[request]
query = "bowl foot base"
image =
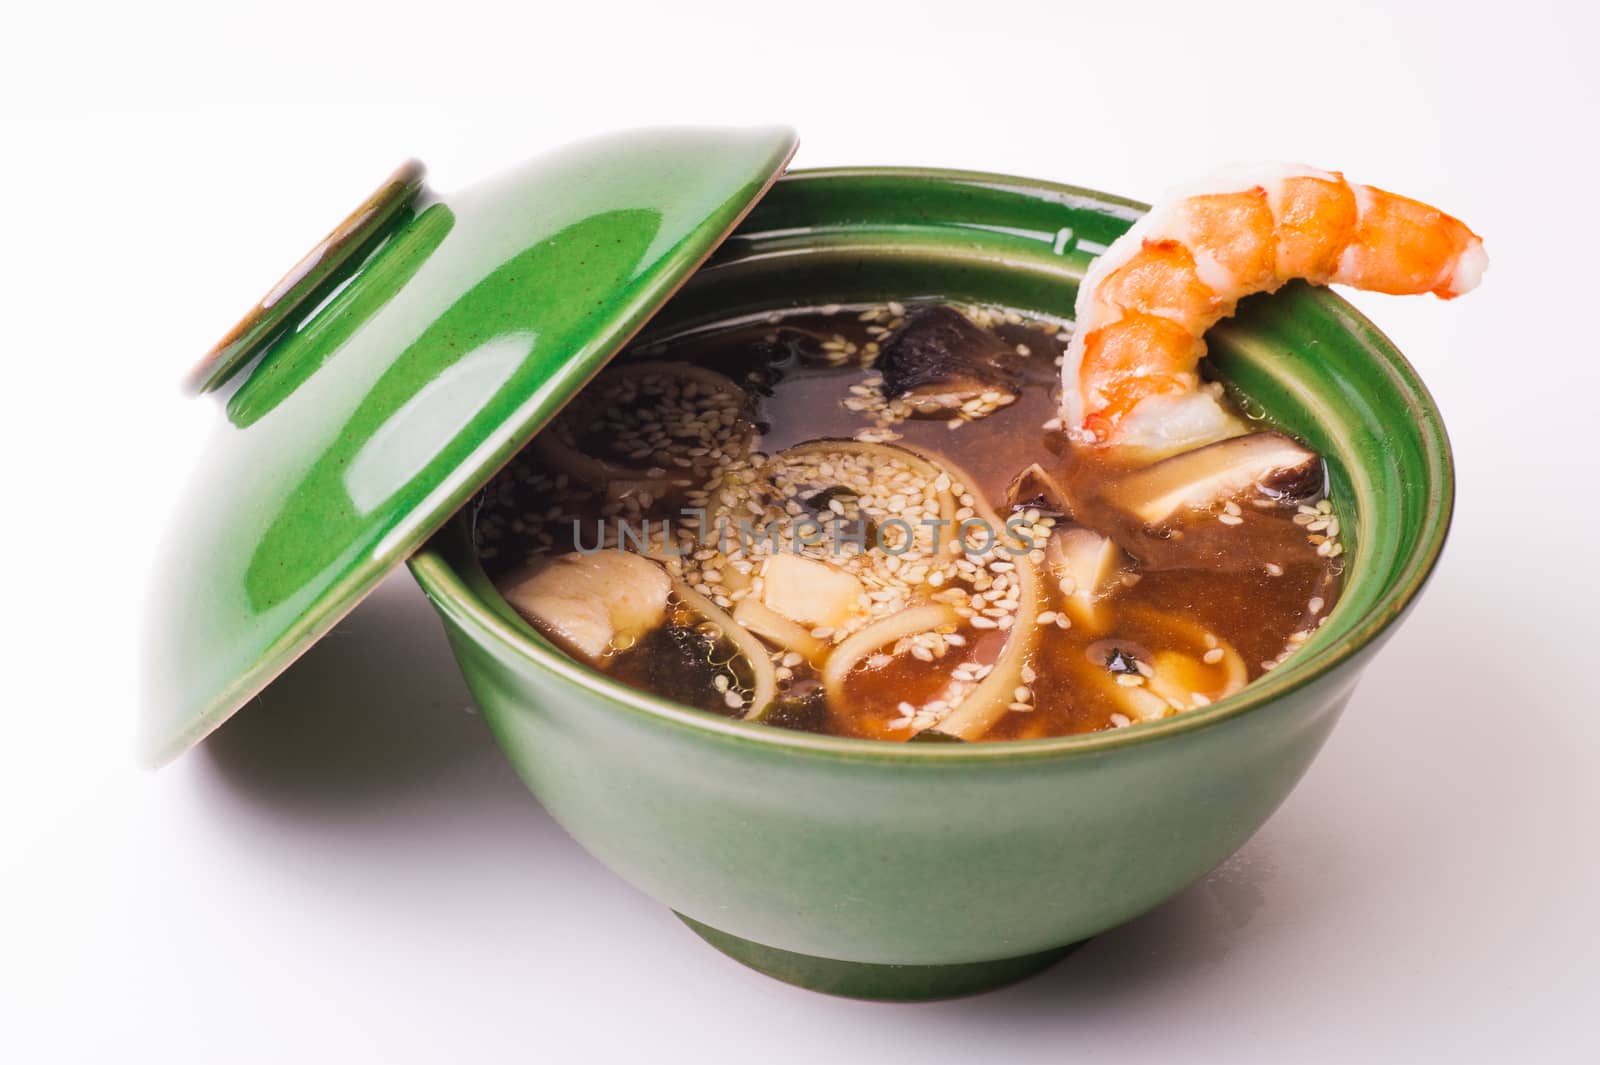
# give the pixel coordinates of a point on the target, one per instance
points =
(884, 983)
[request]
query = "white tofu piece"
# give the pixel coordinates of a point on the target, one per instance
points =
(1091, 566)
(810, 592)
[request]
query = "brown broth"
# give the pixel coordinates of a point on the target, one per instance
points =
(1251, 584)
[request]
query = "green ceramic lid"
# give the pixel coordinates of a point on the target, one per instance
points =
(390, 374)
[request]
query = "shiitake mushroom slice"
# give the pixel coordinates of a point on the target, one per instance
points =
(939, 360)
(1271, 463)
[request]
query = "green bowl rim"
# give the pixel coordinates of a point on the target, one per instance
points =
(445, 585)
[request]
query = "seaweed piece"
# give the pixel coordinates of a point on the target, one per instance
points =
(677, 662)
(1122, 662)
(803, 708)
(933, 735)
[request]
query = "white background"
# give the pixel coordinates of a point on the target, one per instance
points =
(351, 873)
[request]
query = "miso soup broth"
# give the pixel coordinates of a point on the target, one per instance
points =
(866, 521)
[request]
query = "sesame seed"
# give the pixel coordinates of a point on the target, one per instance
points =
(1213, 656)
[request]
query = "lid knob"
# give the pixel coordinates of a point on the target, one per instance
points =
(309, 279)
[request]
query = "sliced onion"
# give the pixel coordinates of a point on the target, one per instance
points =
(991, 700)
(1169, 667)
(911, 622)
(765, 691)
(1165, 665)
(775, 628)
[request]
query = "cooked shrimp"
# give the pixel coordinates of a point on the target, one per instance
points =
(1129, 376)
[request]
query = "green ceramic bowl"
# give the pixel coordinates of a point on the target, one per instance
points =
(916, 871)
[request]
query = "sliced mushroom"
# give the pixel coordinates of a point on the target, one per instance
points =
(1088, 568)
(591, 604)
(939, 360)
(1269, 462)
(1035, 489)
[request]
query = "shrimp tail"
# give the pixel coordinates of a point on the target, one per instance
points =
(1405, 248)
(1131, 372)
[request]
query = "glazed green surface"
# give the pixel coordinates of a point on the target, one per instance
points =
(887, 855)
(368, 423)
(313, 278)
(950, 854)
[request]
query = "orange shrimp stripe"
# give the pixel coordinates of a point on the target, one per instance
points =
(1320, 228)
(1137, 356)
